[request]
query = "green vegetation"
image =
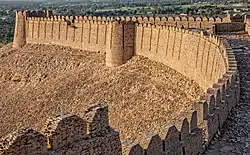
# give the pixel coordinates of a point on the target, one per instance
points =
(6, 30)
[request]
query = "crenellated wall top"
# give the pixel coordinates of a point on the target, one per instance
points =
(139, 19)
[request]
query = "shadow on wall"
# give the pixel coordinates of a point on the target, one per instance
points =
(229, 27)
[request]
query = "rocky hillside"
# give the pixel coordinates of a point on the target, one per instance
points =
(39, 81)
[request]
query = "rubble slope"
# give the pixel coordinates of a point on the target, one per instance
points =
(39, 81)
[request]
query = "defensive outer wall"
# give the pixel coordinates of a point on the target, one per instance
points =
(206, 59)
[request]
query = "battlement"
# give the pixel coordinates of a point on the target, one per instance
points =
(231, 18)
(65, 130)
(153, 20)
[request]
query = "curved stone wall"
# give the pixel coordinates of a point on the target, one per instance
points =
(196, 56)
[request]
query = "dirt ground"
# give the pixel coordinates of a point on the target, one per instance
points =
(40, 81)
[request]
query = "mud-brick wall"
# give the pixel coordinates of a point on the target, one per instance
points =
(81, 34)
(197, 57)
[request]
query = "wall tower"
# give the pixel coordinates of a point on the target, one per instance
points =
(20, 30)
(121, 43)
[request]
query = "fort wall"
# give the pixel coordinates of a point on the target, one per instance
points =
(196, 56)
(206, 59)
(90, 33)
(91, 134)
(82, 34)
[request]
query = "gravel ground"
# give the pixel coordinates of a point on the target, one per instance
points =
(235, 138)
(39, 81)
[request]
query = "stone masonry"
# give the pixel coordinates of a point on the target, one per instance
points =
(67, 134)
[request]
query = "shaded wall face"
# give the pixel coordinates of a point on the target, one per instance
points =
(192, 55)
(229, 27)
(85, 35)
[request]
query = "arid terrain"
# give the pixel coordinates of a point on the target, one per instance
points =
(39, 81)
